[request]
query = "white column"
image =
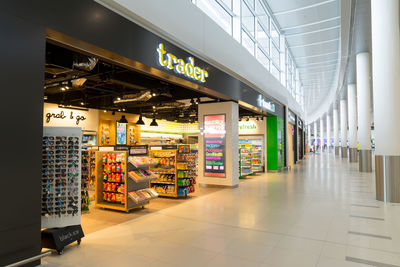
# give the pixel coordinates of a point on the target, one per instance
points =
(385, 26)
(336, 130)
(231, 168)
(364, 110)
(343, 127)
(328, 132)
(321, 134)
(352, 116)
(308, 137)
(315, 135)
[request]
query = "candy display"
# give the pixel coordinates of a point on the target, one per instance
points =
(176, 170)
(143, 195)
(140, 175)
(165, 184)
(123, 181)
(142, 161)
(186, 172)
(112, 166)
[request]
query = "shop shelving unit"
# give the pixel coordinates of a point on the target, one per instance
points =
(128, 182)
(186, 171)
(245, 163)
(256, 162)
(163, 168)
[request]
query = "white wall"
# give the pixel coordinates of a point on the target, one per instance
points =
(185, 25)
(91, 123)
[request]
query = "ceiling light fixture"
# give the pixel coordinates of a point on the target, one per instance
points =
(82, 103)
(123, 119)
(140, 121)
(154, 123)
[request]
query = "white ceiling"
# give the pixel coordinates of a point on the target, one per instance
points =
(312, 32)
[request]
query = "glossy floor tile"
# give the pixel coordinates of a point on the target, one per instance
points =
(321, 213)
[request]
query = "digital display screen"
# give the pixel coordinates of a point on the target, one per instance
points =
(121, 133)
(214, 145)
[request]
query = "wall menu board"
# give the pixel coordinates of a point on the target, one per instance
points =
(214, 142)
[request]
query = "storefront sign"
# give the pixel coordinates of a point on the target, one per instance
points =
(300, 124)
(264, 104)
(60, 115)
(292, 118)
(247, 125)
(214, 142)
(188, 68)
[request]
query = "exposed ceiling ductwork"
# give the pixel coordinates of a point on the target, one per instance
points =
(84, 62)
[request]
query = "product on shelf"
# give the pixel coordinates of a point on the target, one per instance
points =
(113, 170)
(123, 180)
(142, 161)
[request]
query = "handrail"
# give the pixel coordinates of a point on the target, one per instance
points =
(28, 260)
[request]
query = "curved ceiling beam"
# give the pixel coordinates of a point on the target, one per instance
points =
(303, 8)
(310, 24)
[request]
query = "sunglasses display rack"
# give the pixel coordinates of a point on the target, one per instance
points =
(61, 177)
(122, 181)
(85, 181)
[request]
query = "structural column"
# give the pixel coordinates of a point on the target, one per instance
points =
(218, 143)
(364, 111)
(386, 85)
(315, 136)
(321, 132)
(328, 132)
(343, 127)
(336, 131)
(352, 116)
(308, 138)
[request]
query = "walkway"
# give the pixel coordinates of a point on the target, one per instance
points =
(321, 213)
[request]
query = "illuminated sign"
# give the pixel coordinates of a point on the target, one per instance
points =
(292, 118)
(188, 69)
(247, 125)
(214, 145)
(264, 104)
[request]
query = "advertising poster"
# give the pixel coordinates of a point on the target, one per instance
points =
(214, 142)
(121, 133)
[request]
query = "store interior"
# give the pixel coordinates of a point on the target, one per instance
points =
(139, 141)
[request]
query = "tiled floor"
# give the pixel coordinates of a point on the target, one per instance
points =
(321, 213)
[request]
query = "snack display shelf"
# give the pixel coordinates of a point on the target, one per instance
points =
(118, 178)
(167, 195)
(142, 180)
(155, 182)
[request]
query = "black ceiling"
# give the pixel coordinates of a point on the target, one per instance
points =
(105, 83)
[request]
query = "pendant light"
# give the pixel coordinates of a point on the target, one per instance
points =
(154, 123)
(140, 121)
(123, 119)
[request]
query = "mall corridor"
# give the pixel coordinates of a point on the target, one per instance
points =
(321, 213)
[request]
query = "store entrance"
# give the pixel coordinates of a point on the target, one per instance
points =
(114, 139)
